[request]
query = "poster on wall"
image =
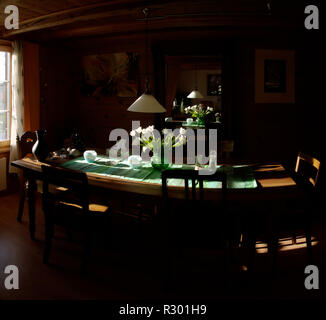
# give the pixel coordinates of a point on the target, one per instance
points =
(113, 74)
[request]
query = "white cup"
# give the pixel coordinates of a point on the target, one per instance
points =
(190, 120)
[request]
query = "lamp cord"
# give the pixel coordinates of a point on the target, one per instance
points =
(146, 13)
(196, 83)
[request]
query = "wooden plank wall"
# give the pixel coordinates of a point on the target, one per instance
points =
(65, 111)
(97, 117)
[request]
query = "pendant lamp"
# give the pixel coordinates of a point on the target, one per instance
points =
(147, 102)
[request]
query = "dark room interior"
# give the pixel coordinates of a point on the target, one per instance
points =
(85, 215)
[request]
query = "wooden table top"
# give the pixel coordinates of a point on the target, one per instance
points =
(272, 179)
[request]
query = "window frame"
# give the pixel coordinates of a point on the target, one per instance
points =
(5, 144)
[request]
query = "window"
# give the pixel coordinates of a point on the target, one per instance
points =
(5, 95)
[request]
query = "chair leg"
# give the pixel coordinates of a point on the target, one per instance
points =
(272, 251)
(21, 203)
(227, 248)
(110, 230)
(172, 269)
(167, 268)
(272, 241)
(87, 243)
(140, 226)
(31, 206)
(48, 238)
(308, 233)
(251, 251)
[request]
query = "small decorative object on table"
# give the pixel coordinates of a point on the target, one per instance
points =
(200, 112)
(151, 140)
(73, 152)
(90, 155)
(134, 161)
(78, 142)
(40, 149)
(218, 116)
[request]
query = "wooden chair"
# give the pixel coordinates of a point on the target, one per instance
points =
(192, 214)
(71, 208)
(28, 186)
(194, 177)
(294, 214)
(306, 176)
(225, 148)
(307, 170)
(25, 144)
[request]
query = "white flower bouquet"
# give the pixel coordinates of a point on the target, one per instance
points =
(200, 112)
(150, 141)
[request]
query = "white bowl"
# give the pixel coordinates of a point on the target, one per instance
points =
(90, 155)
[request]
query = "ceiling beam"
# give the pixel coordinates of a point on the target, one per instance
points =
(69, 16)
(98, 17)
(118, 17)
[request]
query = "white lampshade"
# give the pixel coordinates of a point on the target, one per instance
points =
(146, 103)
(195, 94)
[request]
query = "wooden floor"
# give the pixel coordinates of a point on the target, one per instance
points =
(130, 269)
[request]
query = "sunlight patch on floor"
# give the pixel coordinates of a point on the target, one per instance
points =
(286, 244)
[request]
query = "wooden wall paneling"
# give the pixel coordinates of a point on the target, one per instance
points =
(100, 116)
(160, 81)
(59, 99)
(230, 115)
(268, 131)
(173, 70)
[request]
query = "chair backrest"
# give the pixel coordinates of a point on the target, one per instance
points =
(194, 177)
(189, 220)
(308, 168)
(217, 176)
(25, 143)
(186, 175)
(224, 148)
(75, 181)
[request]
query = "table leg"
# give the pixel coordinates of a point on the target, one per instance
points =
(31, 205)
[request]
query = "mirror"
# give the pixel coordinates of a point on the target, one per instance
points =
(184, 73)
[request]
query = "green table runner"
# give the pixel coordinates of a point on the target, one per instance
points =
(238, 177)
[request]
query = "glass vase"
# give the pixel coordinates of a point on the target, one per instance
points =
(159, 162)
(200, 121)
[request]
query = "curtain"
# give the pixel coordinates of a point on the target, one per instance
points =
(31, 86)
(17, 113)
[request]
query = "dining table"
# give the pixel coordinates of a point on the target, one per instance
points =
(246, 182)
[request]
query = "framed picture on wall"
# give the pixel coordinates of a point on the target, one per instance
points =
(213, 84)
(274, 76)
(113, 74)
